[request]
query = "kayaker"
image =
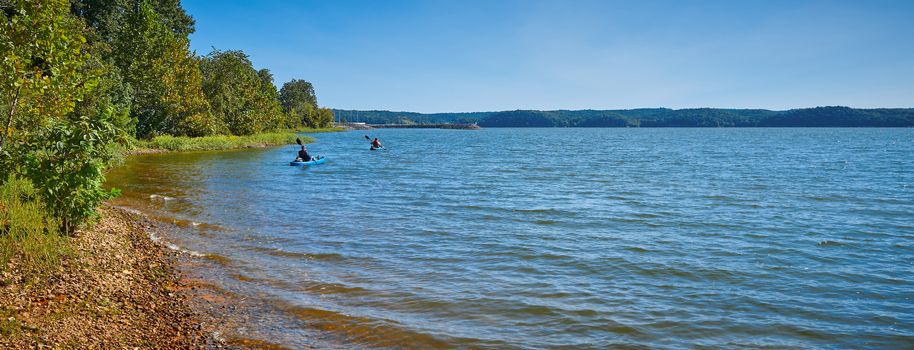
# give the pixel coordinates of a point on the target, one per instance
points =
(303, 155)
(376, 144)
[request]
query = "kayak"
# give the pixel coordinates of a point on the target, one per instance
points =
(377, 149)
(319, 160)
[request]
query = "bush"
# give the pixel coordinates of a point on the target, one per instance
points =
(66, 160)
(27, 232)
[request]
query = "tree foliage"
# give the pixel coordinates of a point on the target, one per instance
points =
(300, 103)
(66, 161)
(275, 117)
(43, 68)
(108, 17)
(238, 95)
(164, 76)
(60, 141)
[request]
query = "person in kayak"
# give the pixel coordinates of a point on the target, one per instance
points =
(376, 144)
(303, 155)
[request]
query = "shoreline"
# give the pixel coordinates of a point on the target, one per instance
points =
(119, 289)
(126, 286)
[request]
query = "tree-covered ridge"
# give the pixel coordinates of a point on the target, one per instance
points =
(653, 117)
(389, 117)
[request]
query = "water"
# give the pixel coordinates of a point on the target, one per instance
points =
(560, 238)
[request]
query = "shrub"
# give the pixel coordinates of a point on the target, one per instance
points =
(66, 161)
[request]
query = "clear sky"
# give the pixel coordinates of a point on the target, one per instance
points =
(467, 55)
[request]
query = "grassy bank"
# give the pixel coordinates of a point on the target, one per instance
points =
(212, 143)
(223, 142)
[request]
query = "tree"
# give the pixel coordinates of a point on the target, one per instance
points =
(62, 141)
(43, 64)
(323, 118)
(299, 102)
(164, 76)
(270, 96)
(243, 99)
(107, 17)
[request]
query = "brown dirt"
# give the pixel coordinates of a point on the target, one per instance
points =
(119, 290)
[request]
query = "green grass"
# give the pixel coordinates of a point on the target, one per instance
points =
(224, 142)
(28, 235)
(221, 142)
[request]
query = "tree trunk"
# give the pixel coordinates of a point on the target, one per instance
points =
(9, 118)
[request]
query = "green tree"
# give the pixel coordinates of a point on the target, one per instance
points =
(164, 76)
(270, 96)
(60, 139)
(299, 102)
(323, 118)
(240, 96)
(108, 17)
(43, 64)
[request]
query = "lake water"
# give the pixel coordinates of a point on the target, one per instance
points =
(558, 238)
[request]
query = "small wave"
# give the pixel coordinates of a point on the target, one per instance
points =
(827, 243)
(541, 211)
(718, 197)
(253, 343)
(366, 331)
(172, 246)
(219, 259)
(829, 198)
(288, 254)
(160, 197)
(334, 288)
(543, 256)
(198, 226)
(637, 249)
(243, 278)
(545, 222)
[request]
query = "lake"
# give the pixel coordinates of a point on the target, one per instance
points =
(557, 238)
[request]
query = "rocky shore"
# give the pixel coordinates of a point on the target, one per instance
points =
(117, 290)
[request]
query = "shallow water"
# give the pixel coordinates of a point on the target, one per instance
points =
(559, 238)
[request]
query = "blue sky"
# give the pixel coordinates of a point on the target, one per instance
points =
(458, 56)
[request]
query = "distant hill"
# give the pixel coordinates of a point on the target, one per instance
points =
(652, 117)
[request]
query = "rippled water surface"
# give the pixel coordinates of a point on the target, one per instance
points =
(560, 238)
